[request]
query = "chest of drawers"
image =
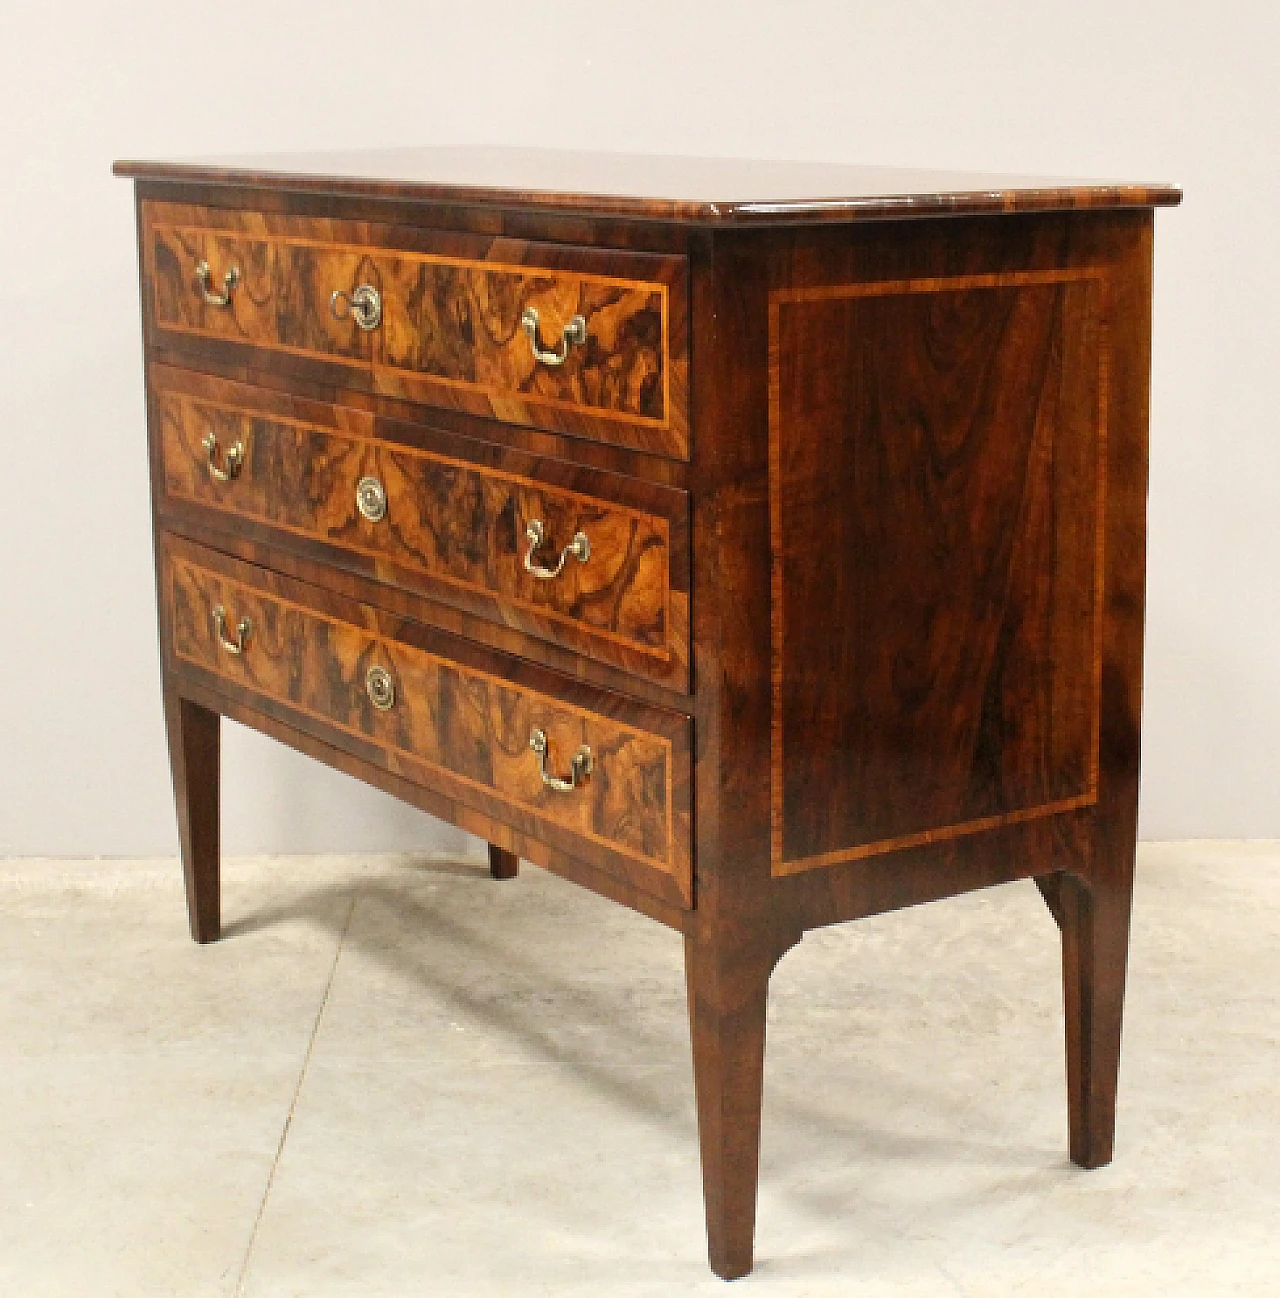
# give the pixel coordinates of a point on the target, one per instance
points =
(759, 546)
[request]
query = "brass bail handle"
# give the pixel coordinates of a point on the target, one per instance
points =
(233, 459)
(204, 278)
(363, 305)
(244, 629)
(536, 533)
(574, 334)
(581, 764)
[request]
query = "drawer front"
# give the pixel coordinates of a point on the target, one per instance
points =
(608, 576)
(452, 322)
(463, 729)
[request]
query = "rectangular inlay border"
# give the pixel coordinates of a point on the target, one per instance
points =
(778, 298)
(375, 366)
(670, 863)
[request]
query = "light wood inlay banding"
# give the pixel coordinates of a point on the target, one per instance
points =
(938, 709)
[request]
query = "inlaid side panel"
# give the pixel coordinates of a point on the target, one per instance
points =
(450, 329)
(459, 729)
(937, 458)
(455, 528)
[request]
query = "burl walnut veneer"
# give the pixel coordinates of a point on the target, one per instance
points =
(760, 546)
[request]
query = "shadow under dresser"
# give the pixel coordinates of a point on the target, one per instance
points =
(758, 545)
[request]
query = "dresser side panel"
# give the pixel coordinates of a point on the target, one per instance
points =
(956, 413)
(936, 480)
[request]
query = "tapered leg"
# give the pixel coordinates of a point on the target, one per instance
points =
(728, 992)
(194, 756)
(1095, 948)
(503, 864)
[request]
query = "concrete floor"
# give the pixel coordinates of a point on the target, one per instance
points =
(397, 1077)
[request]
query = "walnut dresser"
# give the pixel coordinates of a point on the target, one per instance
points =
(760, 546)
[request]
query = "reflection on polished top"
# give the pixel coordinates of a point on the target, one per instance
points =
(706, 190)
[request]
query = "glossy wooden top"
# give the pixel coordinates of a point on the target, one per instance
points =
(705, 190)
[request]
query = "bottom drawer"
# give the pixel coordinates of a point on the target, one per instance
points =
(603, 778)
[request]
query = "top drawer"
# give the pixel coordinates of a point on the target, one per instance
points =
(587, 341)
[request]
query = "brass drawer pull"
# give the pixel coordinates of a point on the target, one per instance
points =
(371, 499)
(580, 766)
(244, 629)
(363, 305)
(234, 459)
(381, 688)
(204, 278)
(574, 334)
(579, 548)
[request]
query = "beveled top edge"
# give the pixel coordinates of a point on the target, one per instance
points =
(721, 191)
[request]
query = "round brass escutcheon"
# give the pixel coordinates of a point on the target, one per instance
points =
(381, 688)
(371, 499)
(363, 305)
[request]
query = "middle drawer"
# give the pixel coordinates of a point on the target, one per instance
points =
(583, 558)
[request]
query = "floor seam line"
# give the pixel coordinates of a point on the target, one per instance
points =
(293, 1102)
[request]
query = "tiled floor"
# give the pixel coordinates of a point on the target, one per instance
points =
(401, 1078)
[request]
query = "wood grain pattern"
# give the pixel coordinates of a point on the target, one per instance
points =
(451, 525)
(711, 191)
(451, 310)
(281, 297)
(937, 478)
(449, 722)
(294, 381)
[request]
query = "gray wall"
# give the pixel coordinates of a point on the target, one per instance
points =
(1112, 88)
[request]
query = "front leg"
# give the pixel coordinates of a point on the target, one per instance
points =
(728, 993)
(194, 757)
